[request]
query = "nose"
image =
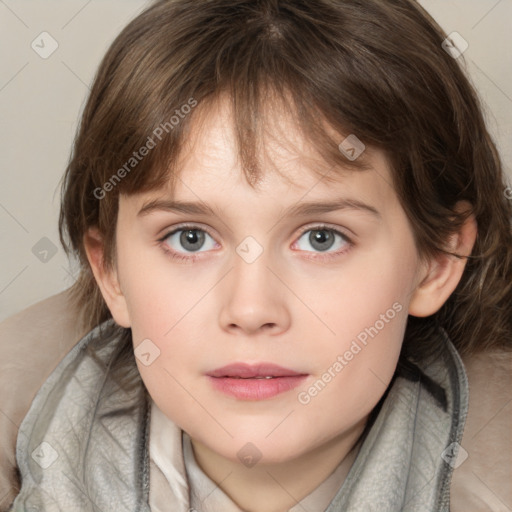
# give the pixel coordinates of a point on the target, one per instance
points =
(254, 299)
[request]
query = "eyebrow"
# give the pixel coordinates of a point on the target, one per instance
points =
(301, 209)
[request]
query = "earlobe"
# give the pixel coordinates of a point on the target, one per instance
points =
(444, 272)
(106, 278)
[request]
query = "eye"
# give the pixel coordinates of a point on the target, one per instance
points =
(186, 242)
(324, 238)
(187, 239)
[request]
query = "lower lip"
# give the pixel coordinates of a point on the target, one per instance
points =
(256, 389)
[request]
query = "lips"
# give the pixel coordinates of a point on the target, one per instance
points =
(254, 382)
(258, 371)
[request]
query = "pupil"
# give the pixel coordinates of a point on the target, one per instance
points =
(191, 237)
(318, 239)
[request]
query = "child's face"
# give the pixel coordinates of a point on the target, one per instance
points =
(300, 304)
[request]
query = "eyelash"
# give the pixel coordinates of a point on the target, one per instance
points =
(192, 257)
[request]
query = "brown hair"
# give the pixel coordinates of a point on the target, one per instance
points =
(373, 68)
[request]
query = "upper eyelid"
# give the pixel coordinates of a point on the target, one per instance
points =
(319, 226)
(192, 227)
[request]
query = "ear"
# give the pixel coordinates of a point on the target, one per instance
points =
(444, 271)
(106, 279)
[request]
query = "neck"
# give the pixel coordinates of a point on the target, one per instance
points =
(279, 486)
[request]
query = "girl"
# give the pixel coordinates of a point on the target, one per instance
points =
(292, 223)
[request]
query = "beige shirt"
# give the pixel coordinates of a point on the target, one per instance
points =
(178, 484)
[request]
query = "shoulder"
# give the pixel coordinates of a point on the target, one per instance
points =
(32, 343)
(482, 482)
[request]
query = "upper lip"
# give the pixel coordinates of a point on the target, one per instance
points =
(248, 371)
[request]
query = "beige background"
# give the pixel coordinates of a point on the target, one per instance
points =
(41, 99)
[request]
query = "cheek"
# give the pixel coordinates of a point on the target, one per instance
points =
(353, 375)
(158, 293)
(355, 298)
(366, 313)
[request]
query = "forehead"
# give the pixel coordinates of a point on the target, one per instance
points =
(208, 169)
(281, 147)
